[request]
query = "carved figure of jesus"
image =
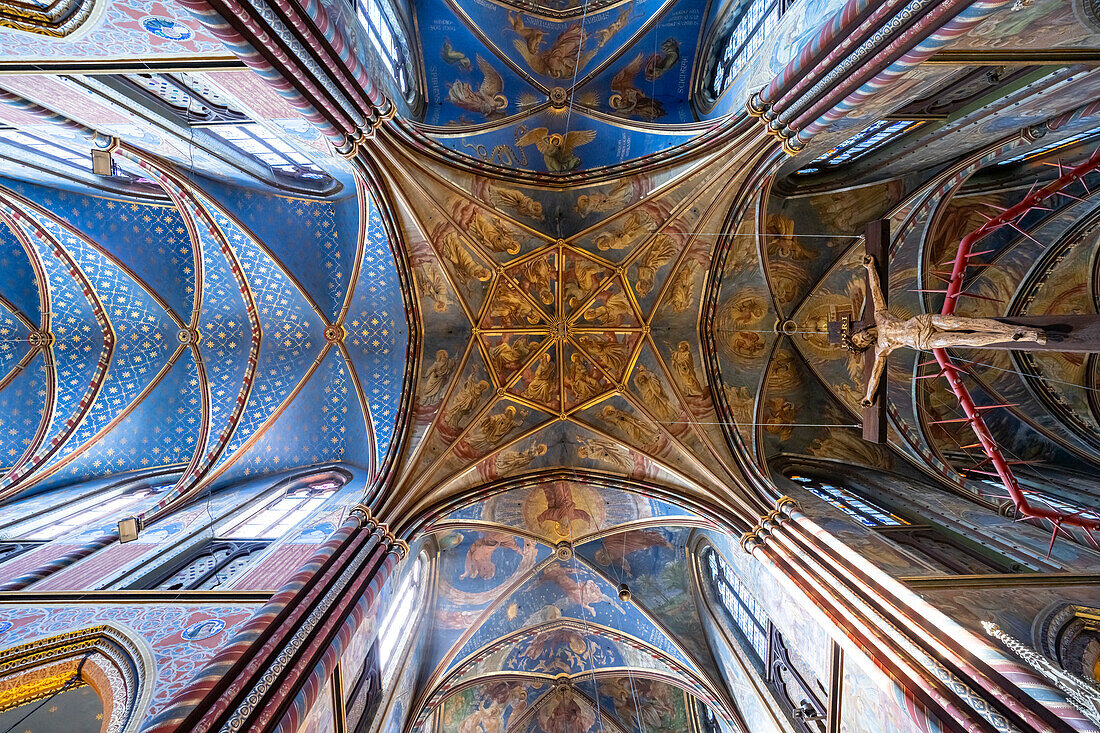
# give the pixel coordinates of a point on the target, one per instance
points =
(924, 332)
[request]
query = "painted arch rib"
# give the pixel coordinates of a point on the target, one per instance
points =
(80, 348)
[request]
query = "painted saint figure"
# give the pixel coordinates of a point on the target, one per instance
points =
(924, 332)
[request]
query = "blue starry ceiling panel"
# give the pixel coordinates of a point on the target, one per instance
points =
(21, 404)
(377, 335)
(13, 340)
(314, 239)
(323, 423)
(78, 346)
(293, 332)
(17, 280)
(162, 430)
(148, 238)
(145, 336)
(227, 335)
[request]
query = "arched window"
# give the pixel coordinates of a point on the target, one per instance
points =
(217, 561)
(740, 607)
(798, 691)
(189, 96)
(77, 159)
(388, 38)
(740, 33)
(100, 508)
(256, 141)
(375, 667)
(400, 617)
(935, 547)
(864, 142)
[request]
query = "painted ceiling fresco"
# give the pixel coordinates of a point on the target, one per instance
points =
(160, 353)
(564, 328)
(530, 636)
(560, 89)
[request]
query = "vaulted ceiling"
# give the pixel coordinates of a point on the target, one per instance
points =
(567, 337)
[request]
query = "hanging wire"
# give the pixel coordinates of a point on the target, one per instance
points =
(75, 678)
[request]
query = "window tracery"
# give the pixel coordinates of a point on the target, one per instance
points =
(190, 96)
(388, 38)
(75, 159)
(796, 689)
(741, 33)
(863, 143)
(100, 507)
(400, 617)
(215, 564)
(926, 542)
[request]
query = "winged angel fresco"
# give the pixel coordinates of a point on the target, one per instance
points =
(557, 150)
(488, 99)
(628, 100)
(568, 54)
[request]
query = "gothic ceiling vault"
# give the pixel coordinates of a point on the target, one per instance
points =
(564, 303)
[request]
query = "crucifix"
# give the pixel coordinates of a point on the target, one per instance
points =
(879, 333)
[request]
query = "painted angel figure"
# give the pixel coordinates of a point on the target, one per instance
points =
(925, 332)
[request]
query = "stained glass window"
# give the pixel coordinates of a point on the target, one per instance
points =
(78, 159)
(863, 511)
(741, 36)
(389, 41)
(739, 605)
(864, 142)
(1051, 147)
(257, 142)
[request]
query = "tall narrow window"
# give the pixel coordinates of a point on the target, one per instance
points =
(256, 141)
(400, 617)
(864, 142)
(741, 607)
(388, 39)
(850, 503)
(794, 686)
(742, 33)
(273, 519)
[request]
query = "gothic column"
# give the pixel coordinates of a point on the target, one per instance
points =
(255, 677)
(959, 678)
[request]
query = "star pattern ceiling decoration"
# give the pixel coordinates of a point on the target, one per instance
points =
(564, 327)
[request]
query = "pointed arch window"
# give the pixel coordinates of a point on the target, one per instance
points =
(217, 561)
(793, 685)
(190, 96)
(928, 543)
(388, 38)
(77, 160)
(740, 35)
(100, 508)
(864, 142)
(274, 518)
(400, 617)
(256, 141)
